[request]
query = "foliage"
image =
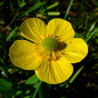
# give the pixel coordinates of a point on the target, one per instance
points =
(18, 83)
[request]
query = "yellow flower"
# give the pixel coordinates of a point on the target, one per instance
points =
(50, 50)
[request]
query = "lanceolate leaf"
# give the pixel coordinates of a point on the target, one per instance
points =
(33, 79)
(5, 85)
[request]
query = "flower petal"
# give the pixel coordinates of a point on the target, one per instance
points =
(76, 50)
(22, 55)
(33, 29)
(54, 72)
(61, 28)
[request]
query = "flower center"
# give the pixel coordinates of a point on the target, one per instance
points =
(49, 44)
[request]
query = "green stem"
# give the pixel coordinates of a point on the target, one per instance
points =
(68, 9)
(75, 75)
(35, 93)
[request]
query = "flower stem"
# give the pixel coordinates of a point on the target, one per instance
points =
(35, 93)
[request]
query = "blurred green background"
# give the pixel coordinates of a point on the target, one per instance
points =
(18, 83)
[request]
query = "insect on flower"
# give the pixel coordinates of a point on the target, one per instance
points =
(50, 51)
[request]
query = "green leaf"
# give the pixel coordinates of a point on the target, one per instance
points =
(36, 6)
(19, 92)
(41, 11)
(33, 79)
(68, 9)
(1, 3)
(36, 85)
(53, 13)
(53, 5)
(4, 70)
(27, 97)
(92, 26)
(75, 75)
(21, 3)
(91, 34)
(11, 5)
(5, 85)
(11, 34)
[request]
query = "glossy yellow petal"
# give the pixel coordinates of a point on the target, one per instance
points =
(22, 55)
(54, 72)
(33, 29)
(76, 50)
(61, 28)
